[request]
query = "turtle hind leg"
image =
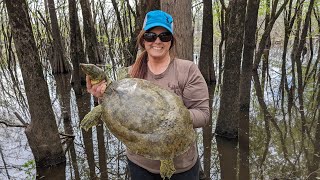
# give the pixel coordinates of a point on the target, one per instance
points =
(167, 168)
(92, 118)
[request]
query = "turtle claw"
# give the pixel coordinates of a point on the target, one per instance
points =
(92, 118)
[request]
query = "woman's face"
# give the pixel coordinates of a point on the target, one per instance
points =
(158, 49)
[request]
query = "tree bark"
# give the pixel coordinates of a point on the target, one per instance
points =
(228, 116)
(68, 129)
(222, 28)
(122, 32)
(266, 34)
(142, 8)
(298, 61)
(182, 22)
(59, 64)
(90, 34)
(83, 100)
(227, 149)
(316, 148)
(206, 67)
(76, 48)
(83, 103)
(102, 152)
(42, 133)
(245, 87)
(314, 166)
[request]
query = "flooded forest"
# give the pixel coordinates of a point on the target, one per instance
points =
(260, 60)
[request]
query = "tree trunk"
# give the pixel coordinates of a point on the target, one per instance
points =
(83, 100)
(228, 116)
(102, 152)
(59, 63)
(83, 103)
(245, 87)
(182, 23)
(314, 166)
(68, 129)
(227, 149)
(316, 149)
(142, 8)
(76, 48)
(298, 61)
(266, 34)
(207, 69)
(222, 39)
(284, 87)
(42, 133)
(90, 34)
(122, 32)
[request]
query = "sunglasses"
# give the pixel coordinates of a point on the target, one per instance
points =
(151, 37)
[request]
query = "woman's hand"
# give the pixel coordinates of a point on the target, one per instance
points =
(96, 90)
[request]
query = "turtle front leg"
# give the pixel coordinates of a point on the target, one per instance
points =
(167, 168)
(92, 118)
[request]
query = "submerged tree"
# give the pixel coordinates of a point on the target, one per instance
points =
(207, 70)
(58, 62)
(42, 132)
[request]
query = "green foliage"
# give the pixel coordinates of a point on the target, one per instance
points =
(3, 62)
(29, 168)
(103, 39)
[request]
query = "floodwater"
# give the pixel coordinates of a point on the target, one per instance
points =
(276, 151)
(16, 156)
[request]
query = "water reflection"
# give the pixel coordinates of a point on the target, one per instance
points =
(98, 154)
(57, 172)
(227, 149)
(95, 154)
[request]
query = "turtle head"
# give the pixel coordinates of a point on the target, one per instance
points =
(95, 73)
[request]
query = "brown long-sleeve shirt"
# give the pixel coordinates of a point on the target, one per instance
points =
(183, 78)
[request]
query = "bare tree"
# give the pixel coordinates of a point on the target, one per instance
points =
(314, 165)
(59, 62)
(42, 133)
(245, 86)
(207, 69)
(90, 34)
(228, 117)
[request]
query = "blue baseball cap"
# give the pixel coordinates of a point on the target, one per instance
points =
(158, 18)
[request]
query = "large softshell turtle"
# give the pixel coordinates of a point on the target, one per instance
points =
(148, 119)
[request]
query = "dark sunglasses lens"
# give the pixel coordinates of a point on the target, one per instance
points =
(165, 37)
(150, 37)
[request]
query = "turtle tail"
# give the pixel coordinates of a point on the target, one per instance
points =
(92, 118)
(167, 168)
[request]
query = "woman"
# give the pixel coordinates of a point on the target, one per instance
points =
(157, 64)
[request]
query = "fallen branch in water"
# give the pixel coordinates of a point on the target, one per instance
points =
(24, 124)
(12, 125)
(20, 119)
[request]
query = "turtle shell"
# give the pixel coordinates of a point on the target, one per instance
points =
(149, 120)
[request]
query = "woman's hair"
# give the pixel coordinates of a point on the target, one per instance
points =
(140, 67)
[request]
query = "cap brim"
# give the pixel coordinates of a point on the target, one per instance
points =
(152, 25)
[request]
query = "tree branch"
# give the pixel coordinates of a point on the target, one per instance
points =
(12, 125)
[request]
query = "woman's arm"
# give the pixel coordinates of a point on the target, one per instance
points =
(196, 97)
